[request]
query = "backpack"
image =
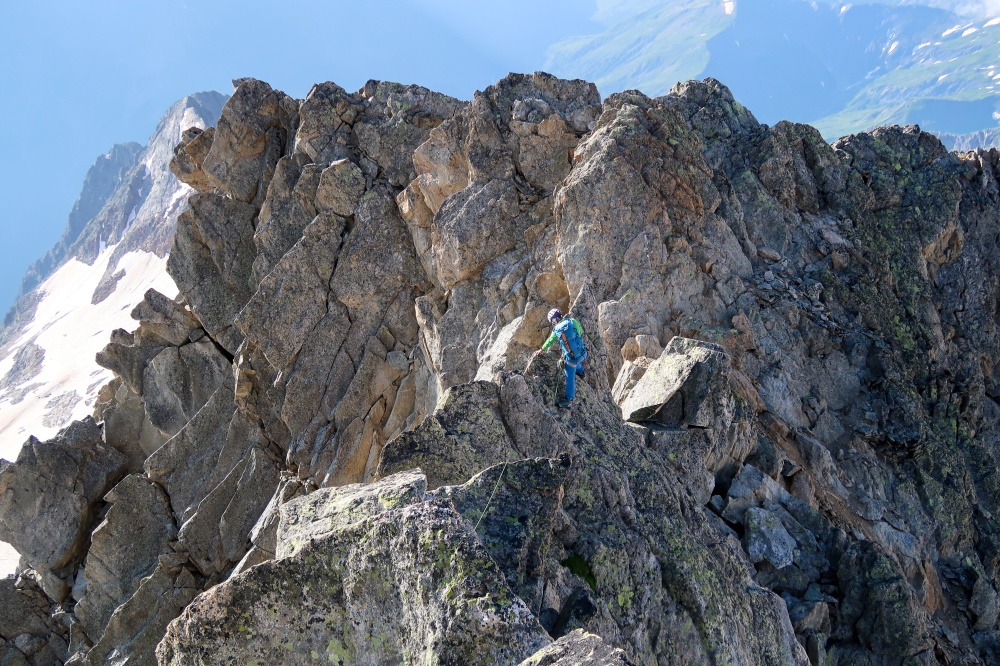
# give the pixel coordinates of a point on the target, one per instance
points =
(570, 341)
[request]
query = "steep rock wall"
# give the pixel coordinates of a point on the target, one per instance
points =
(804, 335)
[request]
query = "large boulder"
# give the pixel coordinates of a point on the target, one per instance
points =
(256, 125)
(578, 648)
(49, 496)
(212, 261)
(138, 625)
(292, 300)
(328, 510)
(186, 464)
(21, 611)
(124, 549)
(409, 585)
(179, 381)
(515, 508)
(464, 436)
(879, 609)
(398, 119)
(217, 534)
(679, 387)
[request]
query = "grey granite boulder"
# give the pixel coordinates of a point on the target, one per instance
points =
(124, 549)
(256, 125)
(21, 611)
(466, 435)
(212, 261)
(578, 648)
(677, 388)
(406, 586)
(515, 508)
(767, 539)
(138, 625)
(48, 497)
(328, 510)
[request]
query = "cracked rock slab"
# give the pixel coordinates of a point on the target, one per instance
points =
(410, 586)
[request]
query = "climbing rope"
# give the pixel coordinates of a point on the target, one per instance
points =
(490, 500)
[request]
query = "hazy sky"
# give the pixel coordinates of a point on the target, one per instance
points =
(79, 77)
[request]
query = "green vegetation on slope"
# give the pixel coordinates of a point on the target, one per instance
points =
(650, 50)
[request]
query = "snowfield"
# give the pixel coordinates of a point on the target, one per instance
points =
(70, 331)
(8, 559)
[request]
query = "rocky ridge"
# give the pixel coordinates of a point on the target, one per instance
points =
(985, 139)
(334, 444)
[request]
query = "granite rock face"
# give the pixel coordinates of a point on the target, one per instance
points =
(124, 549)
(342, 448)
(578, 648)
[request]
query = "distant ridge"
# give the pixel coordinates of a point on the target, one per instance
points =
(129, 178)
(842, 67)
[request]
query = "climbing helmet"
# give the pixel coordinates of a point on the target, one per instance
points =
(555, 315)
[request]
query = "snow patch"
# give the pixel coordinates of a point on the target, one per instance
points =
(131, 219)
(8, 559)
(995, 21)
(71, 330)
(189, 119)
(180, 196)
(943, 76)
(969, 32)
(729, 6)
(951, 30)
(893, 47)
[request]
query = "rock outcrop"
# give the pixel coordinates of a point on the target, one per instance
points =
(337, 445)
(49, 497)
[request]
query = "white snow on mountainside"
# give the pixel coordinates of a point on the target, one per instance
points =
(52, 379)
(114, 249)
(97, 273)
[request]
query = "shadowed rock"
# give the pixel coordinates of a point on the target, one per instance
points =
(48, 497)
(124, 549)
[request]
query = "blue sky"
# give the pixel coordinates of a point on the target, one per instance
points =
(79, 77)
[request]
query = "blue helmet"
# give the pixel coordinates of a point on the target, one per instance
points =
(555, 315)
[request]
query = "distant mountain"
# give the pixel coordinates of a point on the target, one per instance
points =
(113, 249)
(102, 181)
(842, 67)
(648, 46)
(964, 142)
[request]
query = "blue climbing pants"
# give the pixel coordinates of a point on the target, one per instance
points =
(572, 370)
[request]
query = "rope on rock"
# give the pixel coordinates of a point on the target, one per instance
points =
(490, 500)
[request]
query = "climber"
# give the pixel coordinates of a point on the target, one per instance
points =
(568, 332)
